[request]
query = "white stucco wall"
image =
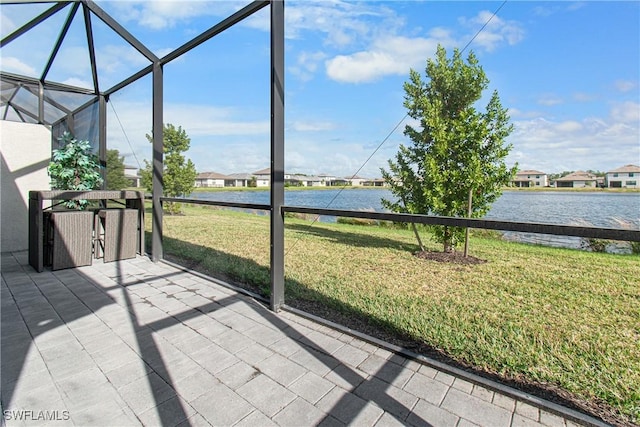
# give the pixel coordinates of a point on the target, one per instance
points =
(26, 152)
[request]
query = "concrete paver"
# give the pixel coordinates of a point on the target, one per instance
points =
(137, 343)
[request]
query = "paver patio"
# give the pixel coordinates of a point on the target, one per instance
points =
(138, 343)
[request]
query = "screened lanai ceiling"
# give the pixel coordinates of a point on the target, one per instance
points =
(69, 52)
(72, 51)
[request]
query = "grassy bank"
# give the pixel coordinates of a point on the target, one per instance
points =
(564, 321)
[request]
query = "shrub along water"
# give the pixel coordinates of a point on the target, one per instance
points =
(550, 317)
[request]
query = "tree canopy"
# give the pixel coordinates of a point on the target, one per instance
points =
(179, 174)
(115, 171)
(455, 149)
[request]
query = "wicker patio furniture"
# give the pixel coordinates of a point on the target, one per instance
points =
(116, 234)
(69, 239)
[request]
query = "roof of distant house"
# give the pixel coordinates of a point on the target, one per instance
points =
(626, 168)
(579, 176)
(530, 172)
(242, 175)
(211, 175)
(266, 171)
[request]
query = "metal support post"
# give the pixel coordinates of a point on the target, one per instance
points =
(277, 154)
(102, 138)
(158, 165)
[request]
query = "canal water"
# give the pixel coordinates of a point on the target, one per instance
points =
(600, 209)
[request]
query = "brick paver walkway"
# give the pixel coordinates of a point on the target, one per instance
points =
(138, 343)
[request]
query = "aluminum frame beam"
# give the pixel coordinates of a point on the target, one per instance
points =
(92, 51)
(120, 30)
(47, 84)
(63, 34)
(35, 21)
(216, 29)
(277, 155)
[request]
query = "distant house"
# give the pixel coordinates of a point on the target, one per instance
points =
(625, 177)
(213, 179)
(241, 179)
(131, 173)
(579, 179)
(313, 181)
(356, 180)
(327, 179)
(530, 178)
(376, 182)
(304, 180)
(263, 177)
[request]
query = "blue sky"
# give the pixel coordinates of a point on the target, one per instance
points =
(568, 72)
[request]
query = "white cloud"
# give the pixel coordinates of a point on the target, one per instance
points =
(496, 31)
(583, 97)
(223, 139)
(15, 65)
(307, 155)
(166, 14)
(516, 113)
(7, 24)
(392, 54)
(112, 58)
(78, 82)
(306, 65)
(568, 127)
(205, 120)
(341, 22)
(591, 143)
(387, 56)
(550, 99)
(553, 8)
(625, 85)
(626, 112)
(311, 126)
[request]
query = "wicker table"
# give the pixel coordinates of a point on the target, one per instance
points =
(132, 200)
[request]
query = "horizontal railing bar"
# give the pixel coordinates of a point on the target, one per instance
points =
(487, 224)
(524, 227)
(216, 203)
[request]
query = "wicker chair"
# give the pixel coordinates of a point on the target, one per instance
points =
(116, 234)
(70, 239)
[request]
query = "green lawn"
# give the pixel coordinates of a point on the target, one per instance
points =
(559, 318)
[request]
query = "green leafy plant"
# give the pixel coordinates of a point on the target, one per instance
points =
(115, 171)
(179, 173)
(74, 167)
(595, 245)
(455, 148)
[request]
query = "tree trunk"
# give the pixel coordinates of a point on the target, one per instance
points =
(415, 231)
(448, 247)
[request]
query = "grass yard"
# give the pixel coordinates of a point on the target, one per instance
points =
(566, 322)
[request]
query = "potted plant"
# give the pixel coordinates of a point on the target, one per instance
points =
(74, 167)
(68, 236)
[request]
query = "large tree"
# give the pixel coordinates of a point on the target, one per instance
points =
(179, 174)
(455, 149)
(115, 171)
